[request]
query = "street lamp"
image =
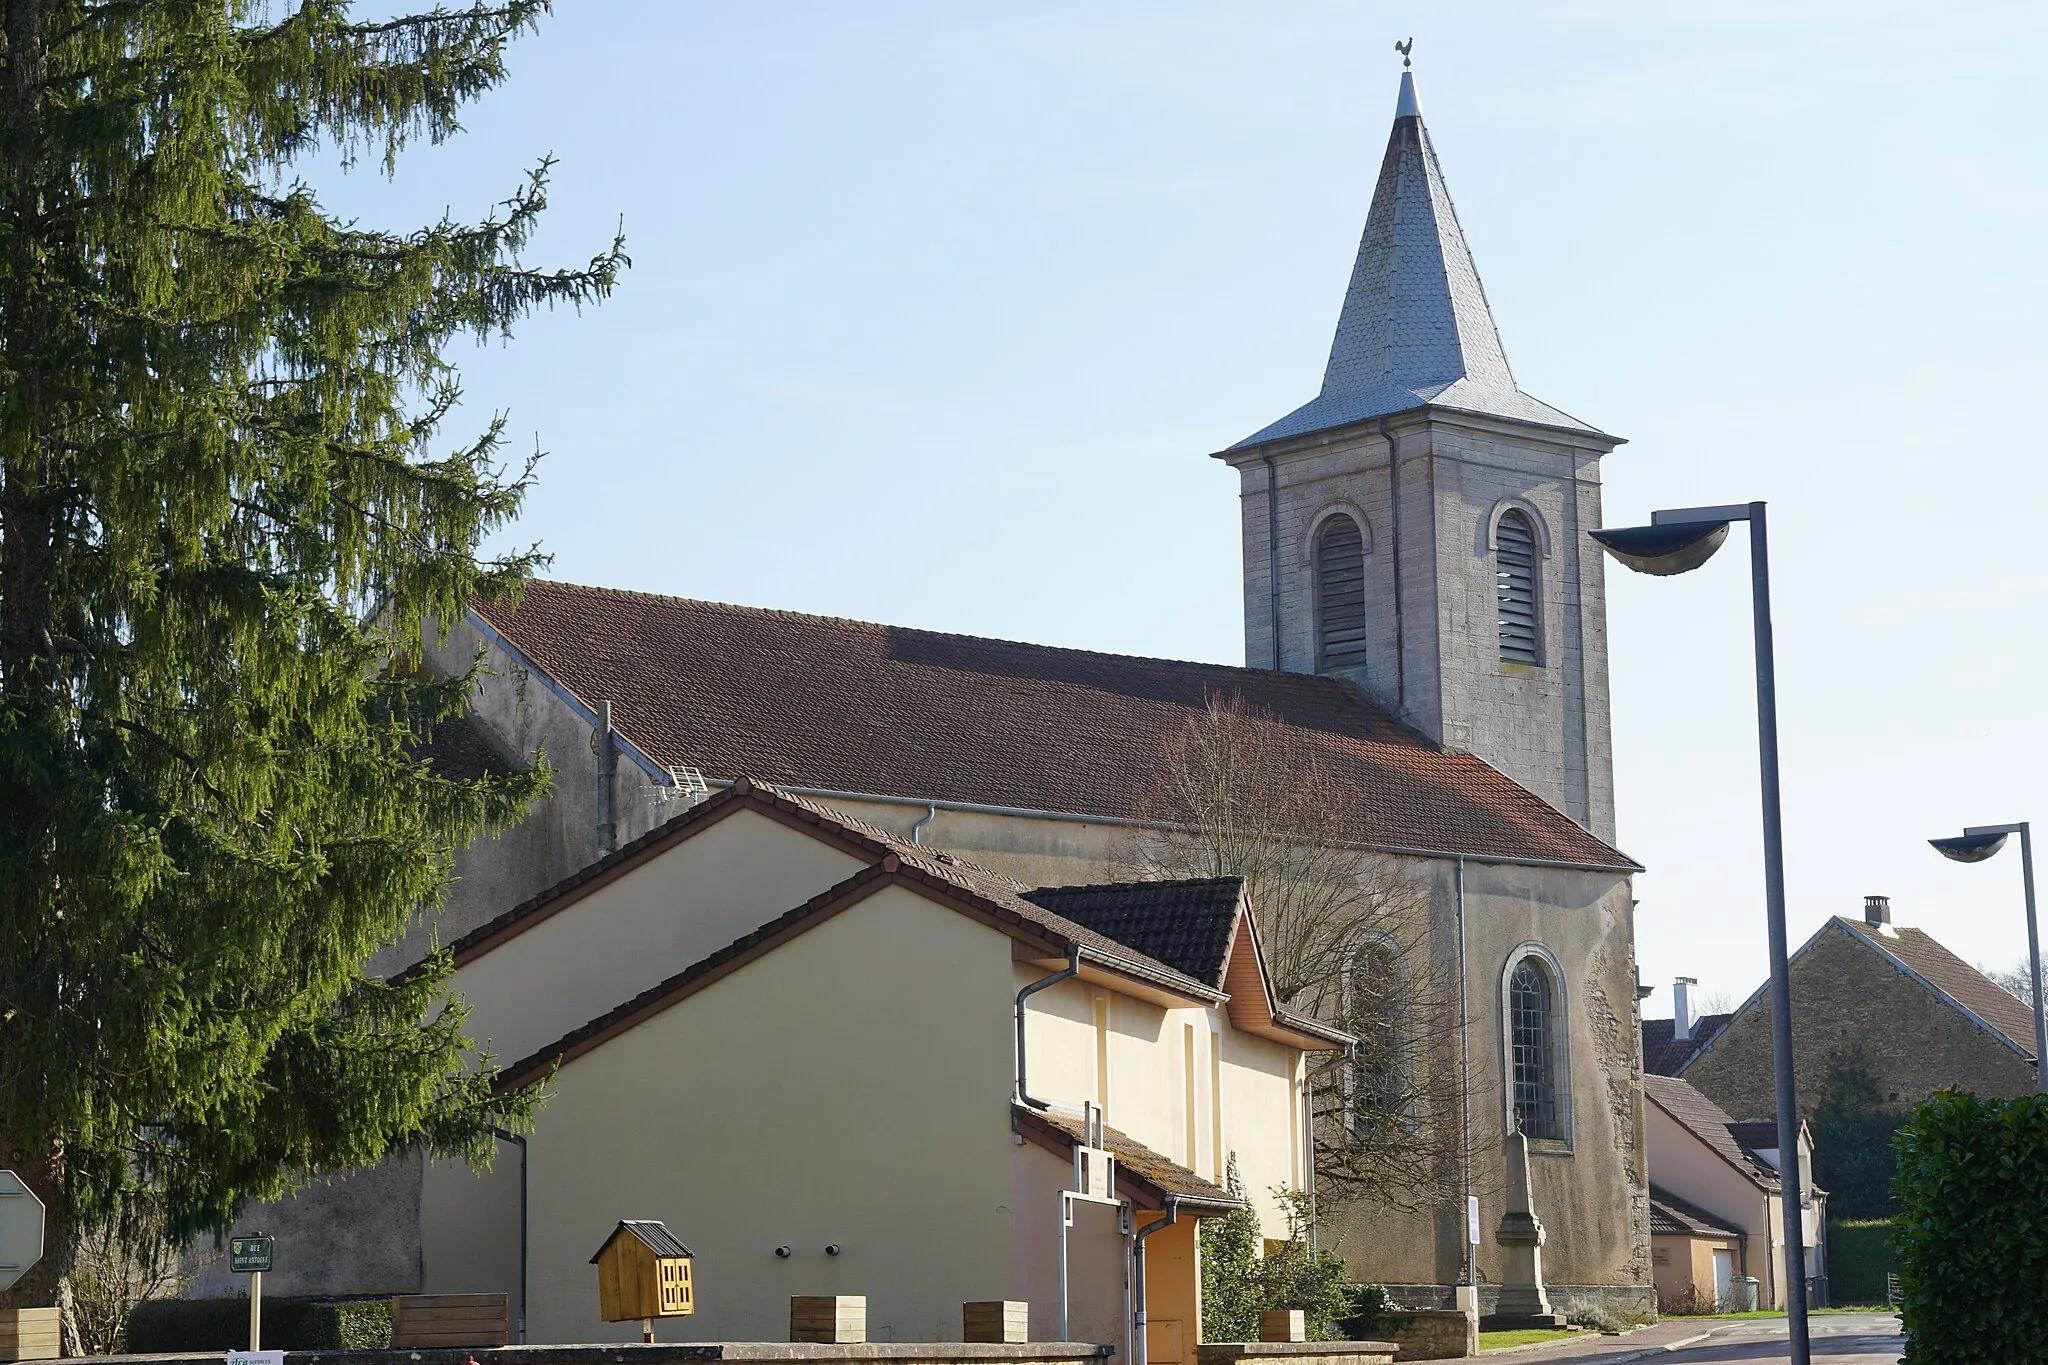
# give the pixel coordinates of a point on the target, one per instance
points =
(1976, 844)
(1677, 542)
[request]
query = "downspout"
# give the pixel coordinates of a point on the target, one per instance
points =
(607, 768)
(1465, 1088)
(1272, 553)
(931, 813)
(519, 1140)
(1072, 969)
(1138, 1270)
(1394, 531)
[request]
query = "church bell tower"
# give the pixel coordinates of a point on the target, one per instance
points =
(1418, 528)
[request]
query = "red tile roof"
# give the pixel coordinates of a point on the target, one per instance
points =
(812, 702)
(1994, 1006)
(1665, 1056)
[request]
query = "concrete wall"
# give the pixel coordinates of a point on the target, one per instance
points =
(1847, 999)
(1684, 1268)
(1437, 661)
(850, 1087)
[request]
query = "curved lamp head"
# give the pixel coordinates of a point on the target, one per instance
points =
(1664, 550)
(1970, 848)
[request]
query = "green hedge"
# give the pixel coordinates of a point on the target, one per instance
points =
(1859, 1257)
(1972, 1237)
(288, 1325)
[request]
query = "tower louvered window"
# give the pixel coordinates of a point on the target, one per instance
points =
(1532, 1043)
(1340, 595)
(1515, 589)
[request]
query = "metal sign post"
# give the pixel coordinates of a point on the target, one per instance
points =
(251, 1256)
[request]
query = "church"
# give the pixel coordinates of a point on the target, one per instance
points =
(1423, 611)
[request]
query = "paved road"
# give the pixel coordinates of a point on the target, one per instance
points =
(1837, 1338)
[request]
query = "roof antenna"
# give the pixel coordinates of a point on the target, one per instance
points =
(1404, 49)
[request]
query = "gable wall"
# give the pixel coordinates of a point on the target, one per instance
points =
(1147, 1050)
(1681, 1163)
(851, 1086)
(1846, 997)
(680, 906)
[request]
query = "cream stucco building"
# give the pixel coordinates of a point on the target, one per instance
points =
(792, 1039)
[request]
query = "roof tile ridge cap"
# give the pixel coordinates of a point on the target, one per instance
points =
(1141, 883)
(718, 957)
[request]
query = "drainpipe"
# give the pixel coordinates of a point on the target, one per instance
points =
(931, 813)
(1272, 559)
(1072, 969)
(607, 768)
(1138, 1269)
(519, 1140)
(1394, 531)
(1465, 1088)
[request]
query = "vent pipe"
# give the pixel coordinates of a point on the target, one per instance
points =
(1682, 1017)
(1877, 911)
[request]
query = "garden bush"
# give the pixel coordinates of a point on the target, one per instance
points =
(288, 1325)
(1972, 1229)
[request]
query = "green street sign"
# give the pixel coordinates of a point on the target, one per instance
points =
(249, 1254)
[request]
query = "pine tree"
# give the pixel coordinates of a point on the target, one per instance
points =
(227, 511)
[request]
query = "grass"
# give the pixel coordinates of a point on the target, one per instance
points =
(1779, 1312)
(1524, 1336)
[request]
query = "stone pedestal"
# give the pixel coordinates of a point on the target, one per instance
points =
(1523, 1301)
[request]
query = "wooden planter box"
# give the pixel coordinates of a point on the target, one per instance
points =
(28, 1333)
(419, 1321)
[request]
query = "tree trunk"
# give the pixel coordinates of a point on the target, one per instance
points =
(40, 1287)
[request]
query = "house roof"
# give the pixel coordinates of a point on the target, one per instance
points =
(830, 706)
(1665, 1056)
(1707, 1121)
(1755, 1136)
(1156, 1178)
(1671, 1216)
(1186, 924)
(1415, 329)
(1966, 988)
(649, 1234)
(950, 881)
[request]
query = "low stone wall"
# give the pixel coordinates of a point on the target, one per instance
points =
(698, 1353)
(1435, 1334)
(1296, 1353)
(1589, 1305)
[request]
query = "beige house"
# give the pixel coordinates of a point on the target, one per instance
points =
(1715, 1200)
(795, 1041)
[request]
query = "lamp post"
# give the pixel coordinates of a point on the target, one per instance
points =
(1976, 844)
(1676, 542)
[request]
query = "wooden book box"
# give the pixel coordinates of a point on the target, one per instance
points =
(643, 1273)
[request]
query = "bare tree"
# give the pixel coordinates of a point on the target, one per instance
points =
(116, 1265)
(1347, 935)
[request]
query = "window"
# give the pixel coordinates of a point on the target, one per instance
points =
(1532, 1049)
(1514, 576)
(1340, 594)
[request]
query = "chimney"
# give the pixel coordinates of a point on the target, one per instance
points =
(1877, 911)
(1681, 1008)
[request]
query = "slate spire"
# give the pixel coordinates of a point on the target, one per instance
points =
(1415, 328)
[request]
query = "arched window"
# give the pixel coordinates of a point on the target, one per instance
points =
(1514, 576)
(1340, 595)
(1535, 1054)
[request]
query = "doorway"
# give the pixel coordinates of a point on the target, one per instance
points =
(1724, 1271)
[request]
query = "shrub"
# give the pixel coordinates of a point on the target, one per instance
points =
(1368, 1313)
(288, 1325)
(1972, 1229)
(1238, 1284)
(1859, 1257)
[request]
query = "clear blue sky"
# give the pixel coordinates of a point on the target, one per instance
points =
(937, 309)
